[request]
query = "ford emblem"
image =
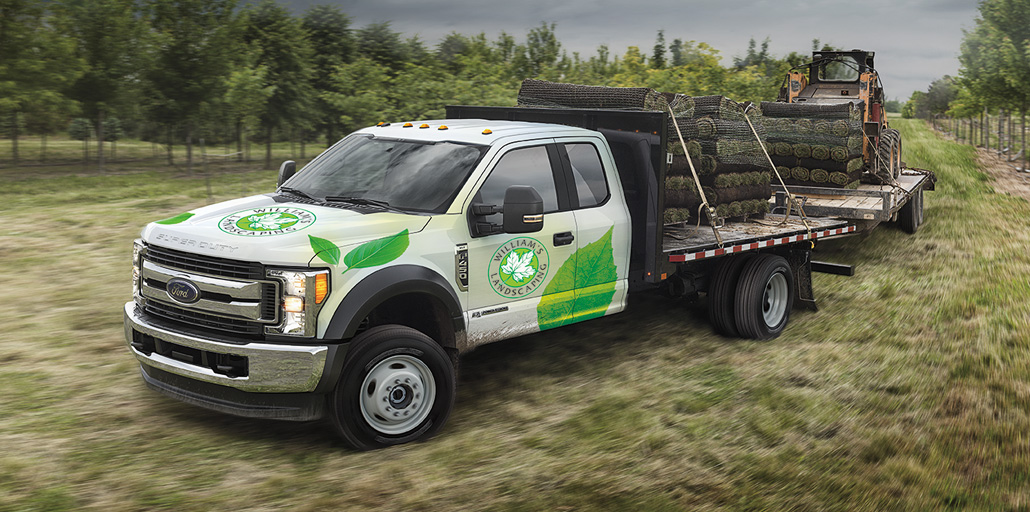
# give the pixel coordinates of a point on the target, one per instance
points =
(182, 290)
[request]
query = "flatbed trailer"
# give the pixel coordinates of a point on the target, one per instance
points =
(868, 205)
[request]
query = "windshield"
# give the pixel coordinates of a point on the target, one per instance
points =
(842, 69)
(406, 174)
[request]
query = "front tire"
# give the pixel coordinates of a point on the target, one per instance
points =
(397, 386)
(765, 296)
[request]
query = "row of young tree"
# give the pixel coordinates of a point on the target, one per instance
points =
(176, 71)
(991, 95)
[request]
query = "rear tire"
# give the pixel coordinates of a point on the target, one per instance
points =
(722, 294)
(888, 150)
(910, 217)
(765, 296)
(397, 386)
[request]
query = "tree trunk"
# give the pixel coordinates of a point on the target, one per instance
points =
(1022, 122)
(987, 131)
(189, 149)
(100, 140)
(239, 141)
(14, 137)
(1001, 127)
(171, 160)
(268, 148)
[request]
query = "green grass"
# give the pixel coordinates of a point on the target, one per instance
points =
(908, 390)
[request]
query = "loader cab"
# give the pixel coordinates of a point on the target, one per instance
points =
(834, 77)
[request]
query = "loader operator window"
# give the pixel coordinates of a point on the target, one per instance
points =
(842, 69)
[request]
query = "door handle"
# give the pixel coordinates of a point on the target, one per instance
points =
(565, 238)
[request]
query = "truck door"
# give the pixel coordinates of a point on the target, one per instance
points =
(510, 273)
(603, 224)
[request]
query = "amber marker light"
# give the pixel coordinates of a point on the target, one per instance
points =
(424, 126)
(321, 287)
(487, 131)
(407, 125)
(442, 127)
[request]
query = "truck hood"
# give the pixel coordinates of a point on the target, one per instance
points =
(272, 231)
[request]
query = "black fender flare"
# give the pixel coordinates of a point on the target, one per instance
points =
(388, 283)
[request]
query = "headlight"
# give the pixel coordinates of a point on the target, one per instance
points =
(137, 262)
(303, 293)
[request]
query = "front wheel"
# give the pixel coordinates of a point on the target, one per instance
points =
(765, 296)
(397, 386)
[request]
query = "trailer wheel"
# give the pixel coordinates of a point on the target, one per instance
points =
(722, 294)
(765, 296)
(397, 386)
(910, 217)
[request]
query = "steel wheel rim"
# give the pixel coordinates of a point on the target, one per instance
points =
(774, 300)
(397, 395)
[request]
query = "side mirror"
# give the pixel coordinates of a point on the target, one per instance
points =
(286, 171)
(523, 210)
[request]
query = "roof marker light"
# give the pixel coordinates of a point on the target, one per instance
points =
(487, 131)
(424, 126)
(442, 127)
(407, 125)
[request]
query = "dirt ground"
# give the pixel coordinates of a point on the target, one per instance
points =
(1006, 178)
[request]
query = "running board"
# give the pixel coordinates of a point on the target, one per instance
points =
(833, 268)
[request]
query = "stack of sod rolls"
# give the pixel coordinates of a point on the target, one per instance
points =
(815, 144)
(728, 159)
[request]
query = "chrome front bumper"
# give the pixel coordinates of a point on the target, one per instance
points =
(272, 368)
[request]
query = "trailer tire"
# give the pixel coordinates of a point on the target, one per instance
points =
(765, 296)
(722, 295)
(397, 386)
(910, 217)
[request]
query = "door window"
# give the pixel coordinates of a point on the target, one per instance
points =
(588, 174)
(527, 166)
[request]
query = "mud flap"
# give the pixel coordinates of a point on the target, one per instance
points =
(801, 264)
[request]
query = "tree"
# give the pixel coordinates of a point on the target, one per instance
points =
(658, 52)
(107, 35)
(332, 44)
(542, 49)
(282, 49)
(381, 44)
(676, 49)
(37, 63)
(192, 40)
(995, 56)
(247, 92)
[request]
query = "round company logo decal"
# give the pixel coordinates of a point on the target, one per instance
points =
(274, 220)
(518, 267)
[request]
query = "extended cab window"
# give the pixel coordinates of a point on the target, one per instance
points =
(526, 166)
(588, 174)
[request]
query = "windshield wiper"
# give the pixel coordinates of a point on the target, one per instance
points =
(300, 193)
(361, 201)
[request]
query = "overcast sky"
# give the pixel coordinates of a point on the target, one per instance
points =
(916, 41)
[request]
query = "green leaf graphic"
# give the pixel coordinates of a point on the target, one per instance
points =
(377, 252)
(325, 250)
(589, 276)
(175, 220)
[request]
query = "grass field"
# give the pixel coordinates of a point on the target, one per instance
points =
(908, 390)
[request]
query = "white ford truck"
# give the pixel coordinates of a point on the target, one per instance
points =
(351, 291)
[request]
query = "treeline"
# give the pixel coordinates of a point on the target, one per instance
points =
(987, 103)
(177, 71)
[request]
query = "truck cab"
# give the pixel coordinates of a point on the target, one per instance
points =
(351, 291)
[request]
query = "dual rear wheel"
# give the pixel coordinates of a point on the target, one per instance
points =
(751, 296)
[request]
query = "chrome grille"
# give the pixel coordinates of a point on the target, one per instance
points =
(235, 296)
(205, 264)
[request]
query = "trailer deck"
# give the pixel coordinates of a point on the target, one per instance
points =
(876, 203)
